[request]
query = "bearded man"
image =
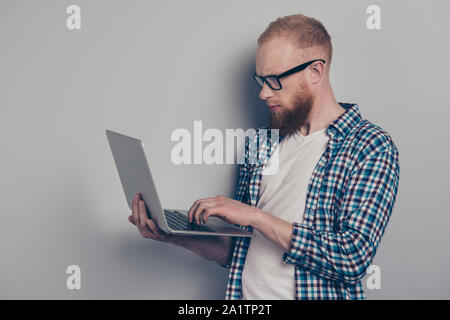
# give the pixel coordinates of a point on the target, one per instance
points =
(319, 219)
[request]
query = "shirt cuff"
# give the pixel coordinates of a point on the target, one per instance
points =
(299, 243)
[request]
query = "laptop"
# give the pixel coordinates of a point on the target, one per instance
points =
(135, 176)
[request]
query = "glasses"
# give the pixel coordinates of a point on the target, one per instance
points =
(274, 81)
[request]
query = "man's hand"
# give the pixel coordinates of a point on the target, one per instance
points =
(147, 227)
(216, 248)
(229, 210)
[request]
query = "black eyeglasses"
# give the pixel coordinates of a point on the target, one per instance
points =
(274, 81)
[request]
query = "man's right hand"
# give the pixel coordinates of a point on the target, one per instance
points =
(146, 226)
(216, 248)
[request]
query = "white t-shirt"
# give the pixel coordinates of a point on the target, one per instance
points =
(283, 194)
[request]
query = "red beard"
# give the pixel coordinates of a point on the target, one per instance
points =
(289, 121)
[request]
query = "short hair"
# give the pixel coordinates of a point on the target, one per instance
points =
(305, 32)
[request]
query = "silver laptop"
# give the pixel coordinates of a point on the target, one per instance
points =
(134, 172)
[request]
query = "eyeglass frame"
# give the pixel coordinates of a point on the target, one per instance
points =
(284, 74)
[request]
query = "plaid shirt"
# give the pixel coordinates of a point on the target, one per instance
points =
(349, 200)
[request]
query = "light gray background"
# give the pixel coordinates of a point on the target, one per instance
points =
(146, 68)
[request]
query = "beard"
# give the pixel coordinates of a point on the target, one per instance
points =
(289, 121)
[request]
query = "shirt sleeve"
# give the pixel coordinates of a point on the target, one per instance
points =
(240, 195)
(345, 254)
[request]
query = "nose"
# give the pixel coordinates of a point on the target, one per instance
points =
(265, 92)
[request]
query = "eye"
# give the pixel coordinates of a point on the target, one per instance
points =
(273, 82)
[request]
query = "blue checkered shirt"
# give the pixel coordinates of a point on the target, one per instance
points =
(349, 200)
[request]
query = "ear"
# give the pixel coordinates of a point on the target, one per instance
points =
(317, 71)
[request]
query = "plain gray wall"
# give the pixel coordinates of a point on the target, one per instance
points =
(146, 68)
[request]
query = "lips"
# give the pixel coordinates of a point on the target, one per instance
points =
(273, 108)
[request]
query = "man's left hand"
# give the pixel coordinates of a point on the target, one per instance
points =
(229, 210)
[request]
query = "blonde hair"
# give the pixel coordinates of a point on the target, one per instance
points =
(305, 32)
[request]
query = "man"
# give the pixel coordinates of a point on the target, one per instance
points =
(320, 218)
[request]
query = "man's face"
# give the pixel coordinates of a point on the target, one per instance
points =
(295, 100)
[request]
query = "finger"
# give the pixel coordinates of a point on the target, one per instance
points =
(137, 218)
(207, 213)
(191, 210)
(142, 214)
(146, 232)
(134, 199)
(135, 210)
(195, 214)
(158, 233)
(204, 204)
(199, 212)
(153, 228)
(130, 219)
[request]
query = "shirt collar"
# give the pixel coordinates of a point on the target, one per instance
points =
(340, 127)
(338, 130)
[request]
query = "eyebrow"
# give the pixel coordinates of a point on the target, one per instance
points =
(268, 74)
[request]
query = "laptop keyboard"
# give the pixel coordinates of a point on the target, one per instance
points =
(179, 221)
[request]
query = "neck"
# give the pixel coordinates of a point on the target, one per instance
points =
(324, 111)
